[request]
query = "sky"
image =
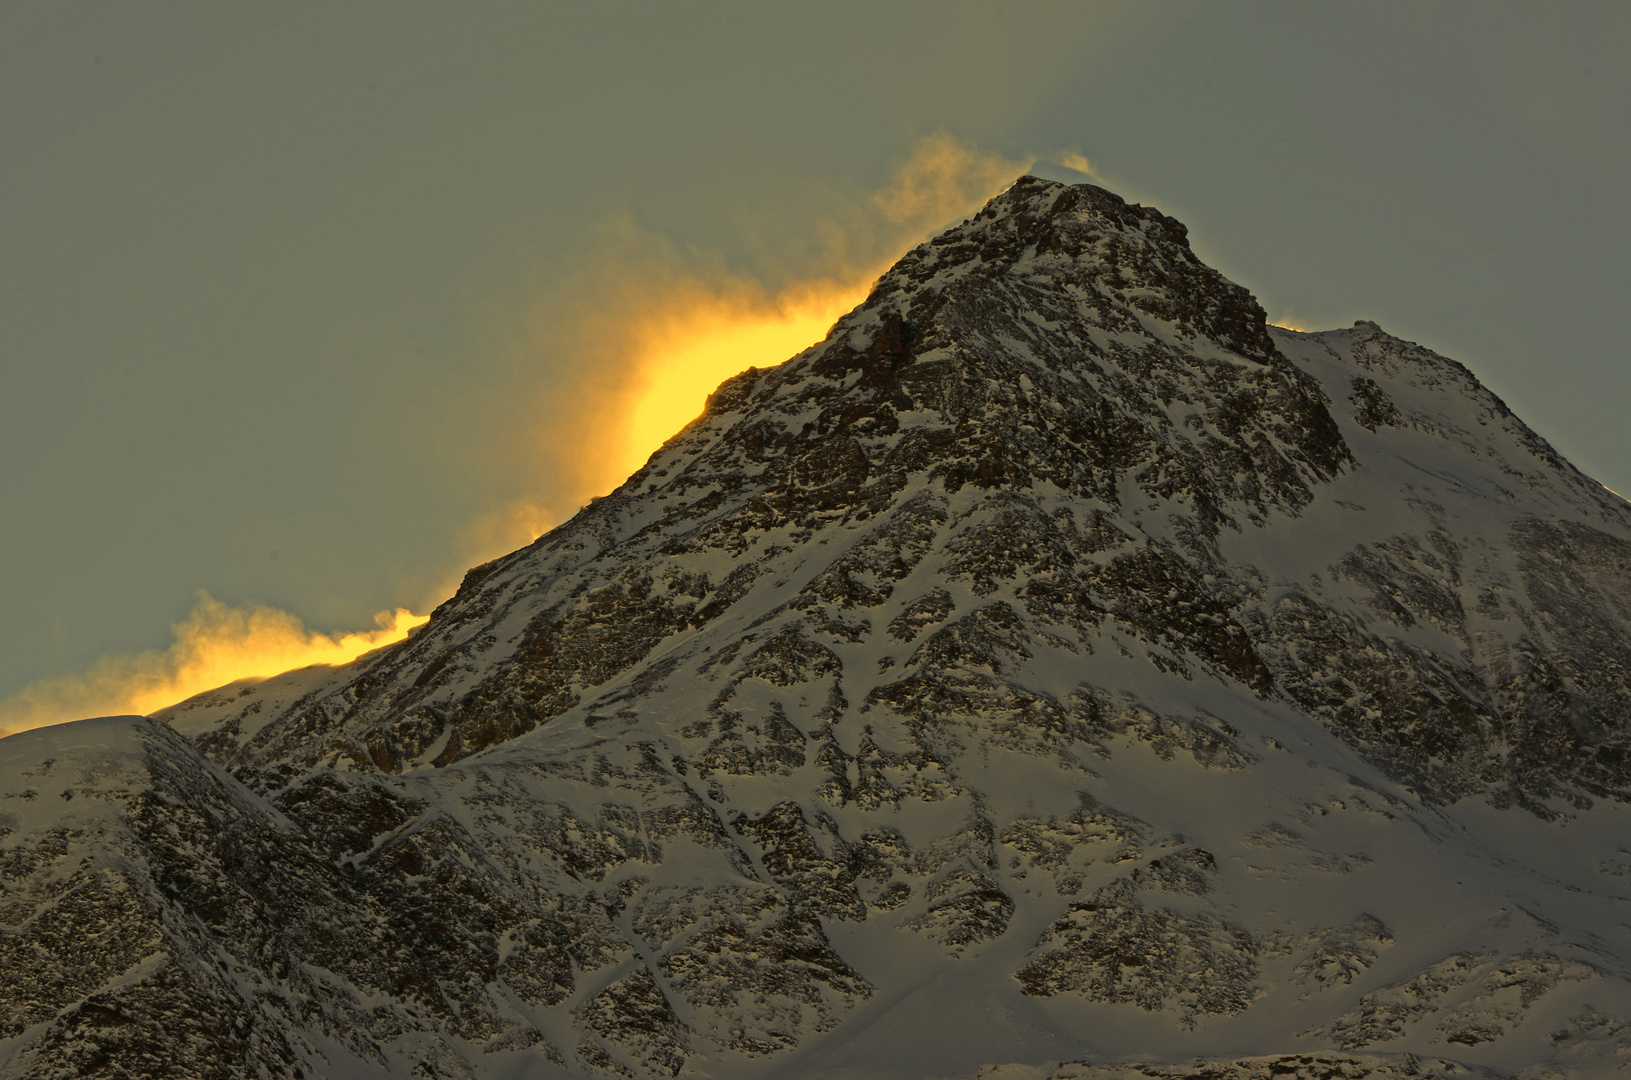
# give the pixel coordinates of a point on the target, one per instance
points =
(305, 308)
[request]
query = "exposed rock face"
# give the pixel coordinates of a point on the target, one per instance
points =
(1056, 662)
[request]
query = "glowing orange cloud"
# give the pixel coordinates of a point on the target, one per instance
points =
(702, 333)
(217, 644)
(649, 333)
(685, 351)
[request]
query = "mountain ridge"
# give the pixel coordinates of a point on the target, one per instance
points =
(1056, 660)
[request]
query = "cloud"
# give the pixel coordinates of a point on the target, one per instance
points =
(503, 529)
(1077, 161)
(214, 645)
(618, 356)
(941, 180)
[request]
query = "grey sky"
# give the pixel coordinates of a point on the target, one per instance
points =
(264, 271)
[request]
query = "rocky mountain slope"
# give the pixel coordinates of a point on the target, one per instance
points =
(1055, 664)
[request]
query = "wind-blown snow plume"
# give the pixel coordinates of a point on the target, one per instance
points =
(622, 356)
(600, 368)
(216, 644)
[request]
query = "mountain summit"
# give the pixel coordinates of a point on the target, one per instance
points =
(1055, 664)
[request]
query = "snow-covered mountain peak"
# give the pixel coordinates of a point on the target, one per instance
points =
(1054, 661)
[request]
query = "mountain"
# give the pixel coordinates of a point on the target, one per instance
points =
(1055, 664)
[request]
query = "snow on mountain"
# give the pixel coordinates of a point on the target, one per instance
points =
(1054, 664)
